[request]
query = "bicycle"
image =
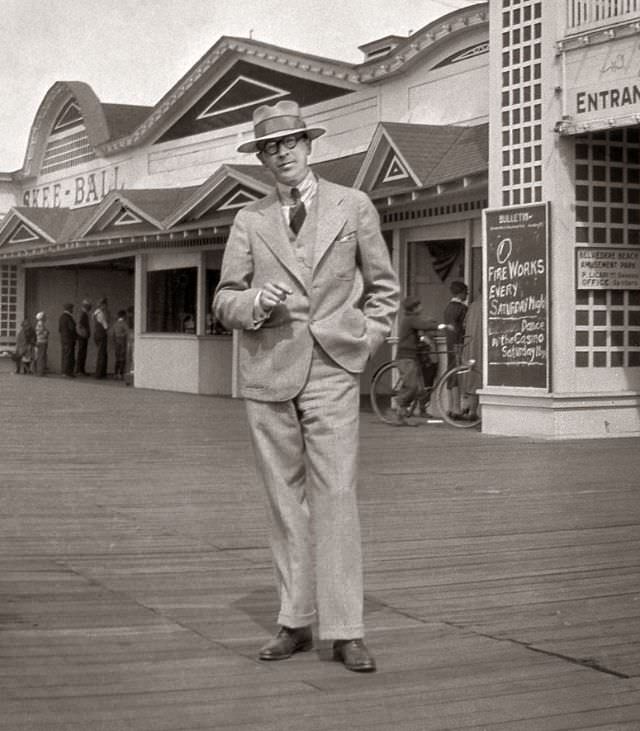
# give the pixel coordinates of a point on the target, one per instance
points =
(389, 380)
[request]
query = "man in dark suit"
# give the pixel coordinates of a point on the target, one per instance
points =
(307, 281)
(67, 330)
(454, 317)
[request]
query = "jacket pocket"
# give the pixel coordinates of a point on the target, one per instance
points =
(343, 256)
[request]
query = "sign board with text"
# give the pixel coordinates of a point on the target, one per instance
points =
(607, 268)
(601, 84)
(517, 296)
(84, 189)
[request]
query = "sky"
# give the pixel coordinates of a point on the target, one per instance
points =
(134, 51)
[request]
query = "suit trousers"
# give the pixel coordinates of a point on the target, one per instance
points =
(68, 357)
(81, 355)
(307, 458)
(101, 357)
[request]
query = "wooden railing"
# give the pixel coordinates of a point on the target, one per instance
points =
(586, 14)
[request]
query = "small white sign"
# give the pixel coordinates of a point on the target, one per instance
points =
(607, 268)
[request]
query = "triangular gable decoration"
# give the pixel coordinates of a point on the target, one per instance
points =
(70, 116)
(68, 143)
(242, 92)
(232, 97)
(238, 199)
(395, 171)
(126, 218)
(22, 234)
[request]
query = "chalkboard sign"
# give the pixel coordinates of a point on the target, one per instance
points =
(517, 296)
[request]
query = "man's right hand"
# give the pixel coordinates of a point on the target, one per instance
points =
(272, 294)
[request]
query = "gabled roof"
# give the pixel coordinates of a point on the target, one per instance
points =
(47, 226)
(122, 119)
(467, 155)
(404, 156)
(341, 170)
(157, 203)
(230, 80)
(437, 153)
(49, 223)
(222, 193)
(131, 210)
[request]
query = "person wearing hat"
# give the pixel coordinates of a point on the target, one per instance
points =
(67, 330)
(84, 332)
(42, 344)
(415, 346)
(307, 281)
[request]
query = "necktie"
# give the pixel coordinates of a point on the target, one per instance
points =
(297, 212)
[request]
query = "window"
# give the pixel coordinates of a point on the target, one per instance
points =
(172, 300)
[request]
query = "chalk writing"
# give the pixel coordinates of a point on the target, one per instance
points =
(517, 297)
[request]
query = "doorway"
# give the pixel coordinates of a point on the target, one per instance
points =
(431, 267)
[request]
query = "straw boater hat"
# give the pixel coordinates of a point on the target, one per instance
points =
(280, 120)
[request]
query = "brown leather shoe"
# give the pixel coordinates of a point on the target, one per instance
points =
(354, 655)
(286, 642)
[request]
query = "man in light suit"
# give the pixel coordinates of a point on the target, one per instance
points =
(307, 281)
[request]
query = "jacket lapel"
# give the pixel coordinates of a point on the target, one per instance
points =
(331, 218)
(274, 235)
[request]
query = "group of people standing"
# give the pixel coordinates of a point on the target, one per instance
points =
(75, 333)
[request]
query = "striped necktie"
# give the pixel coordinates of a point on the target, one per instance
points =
(297, 212)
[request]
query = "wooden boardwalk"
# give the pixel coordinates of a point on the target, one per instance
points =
(502, 575)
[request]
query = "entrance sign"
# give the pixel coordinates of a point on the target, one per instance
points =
(517, 296)
(607, 268)
(601, 85)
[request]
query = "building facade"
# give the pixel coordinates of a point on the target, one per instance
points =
(135, 203)
(500, 145)
(565, 154)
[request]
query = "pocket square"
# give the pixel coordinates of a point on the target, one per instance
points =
(346, 238)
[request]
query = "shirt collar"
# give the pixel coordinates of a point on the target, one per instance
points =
(307, 188)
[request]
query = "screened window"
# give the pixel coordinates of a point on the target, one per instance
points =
(172, 300)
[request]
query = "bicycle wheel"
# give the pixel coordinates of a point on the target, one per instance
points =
(386, 383)
(443, 398)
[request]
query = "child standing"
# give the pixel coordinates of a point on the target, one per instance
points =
(42, 343)
(25, 343)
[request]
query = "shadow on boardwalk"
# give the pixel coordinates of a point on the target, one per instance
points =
(502, 575)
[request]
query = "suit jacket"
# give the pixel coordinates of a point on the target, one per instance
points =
(84, 325)
(345, 298)
(67, 328)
